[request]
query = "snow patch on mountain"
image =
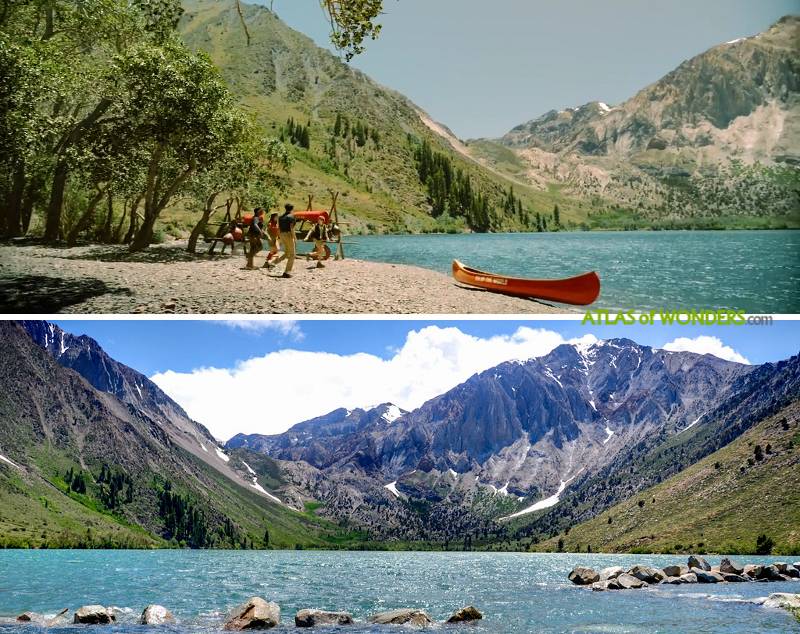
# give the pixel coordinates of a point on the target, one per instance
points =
(392, 488)
(392, 413)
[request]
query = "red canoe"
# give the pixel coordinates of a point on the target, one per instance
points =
(580, 290)
(312, 215)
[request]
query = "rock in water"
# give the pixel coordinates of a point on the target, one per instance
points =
(689, 577)
(698, 562)
(583, 576)
(59, 619)
(675, 571)
(254, 614)
(784, 600)
(94, 615)
(311, 618)
(792, 571)
(732, 578)
(770, 573)
(730, 567)
(28, 617)
(613, 572)
(647, 574)
(156, 615)
(752, 570)
(704, 576)
(625, 582)
(407, 616)
(464, 615)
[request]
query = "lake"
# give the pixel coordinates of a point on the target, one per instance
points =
(516, 592)
(753, 271)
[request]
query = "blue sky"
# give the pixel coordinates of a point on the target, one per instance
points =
(483, 67)
(307, 368)
(153, 346)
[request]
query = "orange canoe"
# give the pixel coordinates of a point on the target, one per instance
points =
(581, 290)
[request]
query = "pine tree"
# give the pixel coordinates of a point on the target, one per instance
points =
(337, 127)
(556, 216)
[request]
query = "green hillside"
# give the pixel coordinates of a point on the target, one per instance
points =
(720, 504)
(282, 75)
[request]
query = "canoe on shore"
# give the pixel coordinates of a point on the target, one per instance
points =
(580, 290)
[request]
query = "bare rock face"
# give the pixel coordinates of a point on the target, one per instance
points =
(312, 618)
(675, 571)
(465, 615)
(730, 567)
(583, 576)
(254, 614)
(94, 615)
(156, 615)
(698, 562)
(404, 616)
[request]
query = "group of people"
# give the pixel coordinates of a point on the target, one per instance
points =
(282, 228)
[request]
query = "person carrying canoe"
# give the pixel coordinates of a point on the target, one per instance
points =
(254, 234)
(273, 231)
(286, 227)
(319, 233)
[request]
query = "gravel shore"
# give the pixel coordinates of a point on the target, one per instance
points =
(166, 279)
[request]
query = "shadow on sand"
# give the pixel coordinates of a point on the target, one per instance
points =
(42, 294)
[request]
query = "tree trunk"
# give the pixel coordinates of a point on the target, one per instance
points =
(86, 219)
(105, 234)
(32, 196)
(52, 229)
(201, 224)
(13, 213)
(134, 217)
(144, 236)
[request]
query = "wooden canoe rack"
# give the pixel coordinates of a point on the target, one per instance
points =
(301, 229)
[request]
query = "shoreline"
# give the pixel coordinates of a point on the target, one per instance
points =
(165, 279)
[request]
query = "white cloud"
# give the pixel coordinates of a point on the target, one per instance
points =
(706, 345)
(271, 393)
(286, 327)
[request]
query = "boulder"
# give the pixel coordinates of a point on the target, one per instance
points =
(465, 615)
(59, 620)
(312, 618)
(626, 582)
(405, 616)
(600, 586)
(784, 600)
(254, 614)
(611, 573)
(94, 615)
(647, 574)
(793, 572)
(672, 580)
(706, 576)
(698, 562)
(675, 571)
(733, 578)
(689, 577)
(770, 573)
(730, 567)
(29, 617)
(752, 570)
(583, 576)
(156, 615)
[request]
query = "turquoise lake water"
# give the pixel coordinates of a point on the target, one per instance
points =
(754, 271)
(516, 592)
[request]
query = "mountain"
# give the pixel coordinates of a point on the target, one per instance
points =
(509, 441)
(716, 139)
(750, 398)
(93, 454)
(720, 504)
(364, 137)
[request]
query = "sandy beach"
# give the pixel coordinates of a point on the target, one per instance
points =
(166, 279)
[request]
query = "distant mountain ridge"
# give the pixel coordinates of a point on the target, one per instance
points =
(718, 136)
